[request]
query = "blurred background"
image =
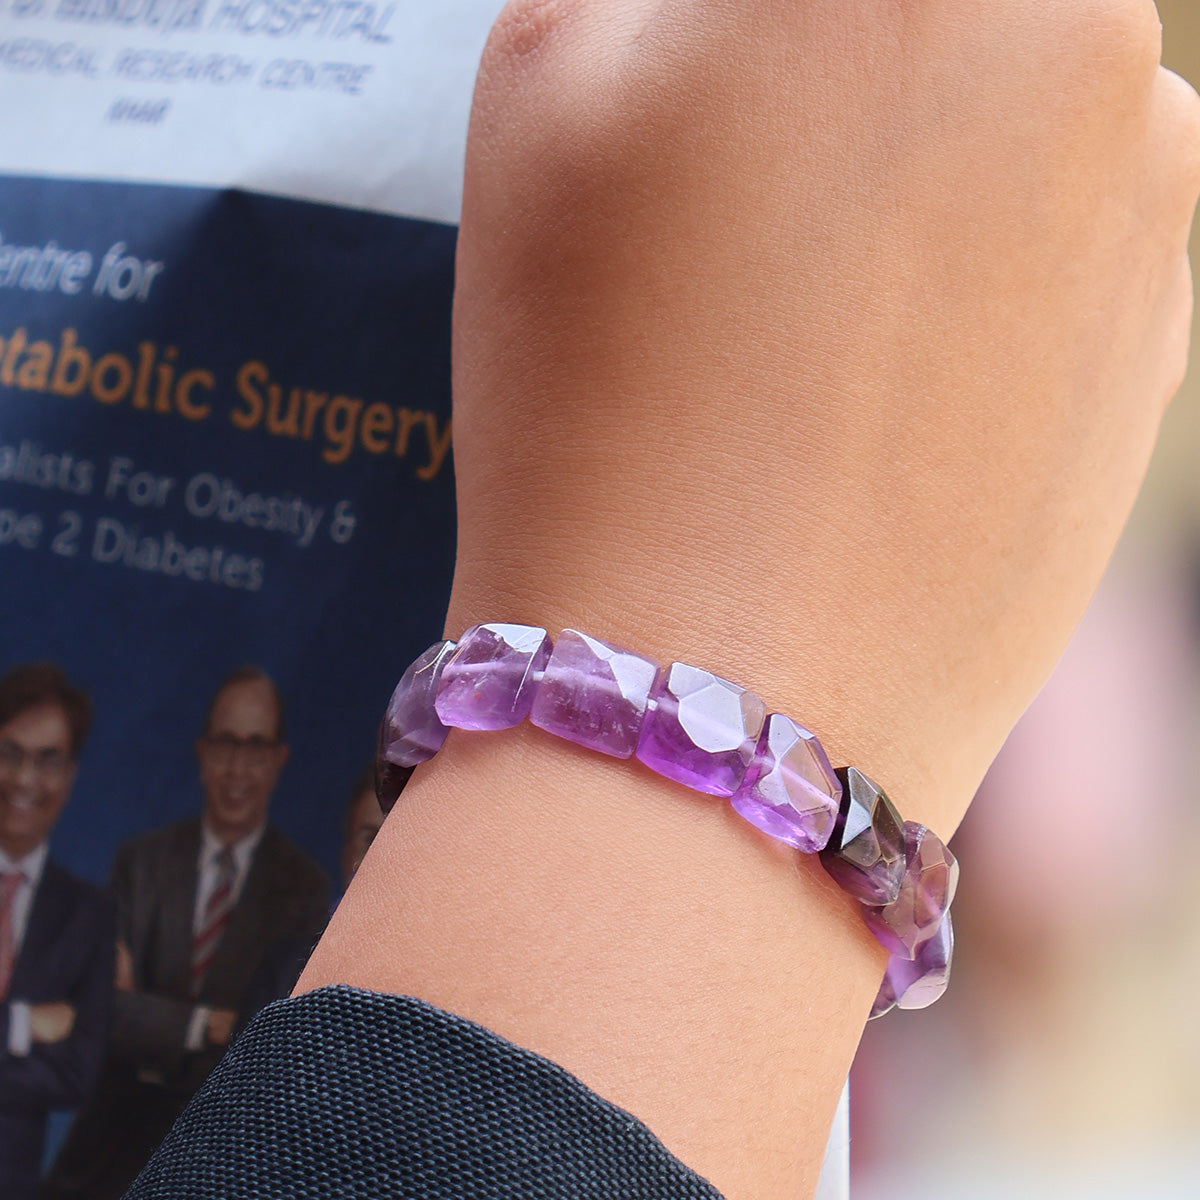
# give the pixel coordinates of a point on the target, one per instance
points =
(1065, 1059)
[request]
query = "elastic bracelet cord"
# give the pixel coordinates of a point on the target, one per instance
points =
(713, 736)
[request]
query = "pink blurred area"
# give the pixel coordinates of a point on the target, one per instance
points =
(1064, 1059)
(1085, 806)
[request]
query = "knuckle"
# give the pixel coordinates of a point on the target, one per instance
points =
(516, 102)
(1126, 34)
(1183, 106)
(524, 28)
(1176, 354)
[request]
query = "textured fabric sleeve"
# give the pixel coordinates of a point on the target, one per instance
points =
(346, 1093)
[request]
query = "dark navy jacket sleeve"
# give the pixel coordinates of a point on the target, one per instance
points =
(347, 1093)
(68, 956)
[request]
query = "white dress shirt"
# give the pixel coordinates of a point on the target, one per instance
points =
(20, 1012)
(208, 876)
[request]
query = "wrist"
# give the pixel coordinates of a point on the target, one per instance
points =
(617, 924)
(814, 667)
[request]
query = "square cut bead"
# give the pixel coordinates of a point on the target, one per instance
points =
(700, 730)
(490, 679)
(918, 982)
(926, 892)
(790, 791)
(410, 732)
(594, 693)
(865, 854)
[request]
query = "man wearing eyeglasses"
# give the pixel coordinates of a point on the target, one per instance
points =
(56, 932)
(199, 902)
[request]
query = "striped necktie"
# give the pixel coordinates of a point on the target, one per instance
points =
(10, 881)
(216, 915)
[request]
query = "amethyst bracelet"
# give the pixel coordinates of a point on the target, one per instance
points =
(710, 734)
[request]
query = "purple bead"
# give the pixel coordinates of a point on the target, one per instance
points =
(917, 983)
(926, 891)
(865, 854)
(700, 729)
(594, 693)
(790, 790)
(490, 679)
(410, 732)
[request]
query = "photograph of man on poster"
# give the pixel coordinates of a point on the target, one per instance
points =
(56, 931)
(281, 965)
(199, 903)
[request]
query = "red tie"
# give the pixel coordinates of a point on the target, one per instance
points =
(216, 915)
(9, 882)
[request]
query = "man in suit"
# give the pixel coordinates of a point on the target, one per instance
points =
(56, 932)
(199, 902)
(283, 962)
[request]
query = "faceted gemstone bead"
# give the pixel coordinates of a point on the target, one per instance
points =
(700, 729)
(490, 679)
(790, 791)
(865, 854)
(594, 693)
(926, 891)
(918, 982)
(410, 732)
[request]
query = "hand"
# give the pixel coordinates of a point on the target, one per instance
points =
(124, 979)
(821, 344)
(220, 1026)
(52, 1022)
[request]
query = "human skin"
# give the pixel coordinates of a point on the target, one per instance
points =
(823, 345)
(238, 787)
(52, 1022)
(31, 801)
(33, 796)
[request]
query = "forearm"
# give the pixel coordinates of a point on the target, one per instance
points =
(46, 1078)
(635, 932)
(149, 1031)
(53, 1075)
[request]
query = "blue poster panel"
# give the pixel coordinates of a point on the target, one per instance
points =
(225, 453)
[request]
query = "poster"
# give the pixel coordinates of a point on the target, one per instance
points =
(226, 510)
